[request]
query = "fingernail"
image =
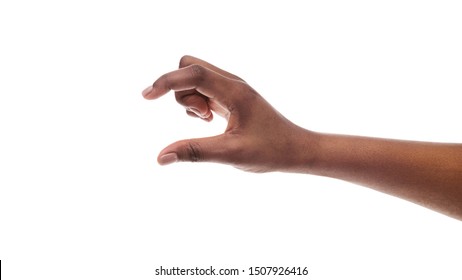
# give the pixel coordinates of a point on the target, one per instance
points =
(199, 114)
(147, 90)
(168, 159)
(195, 111)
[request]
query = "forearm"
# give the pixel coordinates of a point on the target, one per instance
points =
(429, 174)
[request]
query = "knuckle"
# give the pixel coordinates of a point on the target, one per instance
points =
(185, 61)
(194, 152)
(240, 87)
(164, 81)
(197, 71)
(243, 90)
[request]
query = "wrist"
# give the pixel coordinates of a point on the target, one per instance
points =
(306, 150)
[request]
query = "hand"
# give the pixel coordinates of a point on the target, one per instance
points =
(260, 139)
(257, 137)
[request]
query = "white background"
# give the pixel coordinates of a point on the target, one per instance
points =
(81, 194)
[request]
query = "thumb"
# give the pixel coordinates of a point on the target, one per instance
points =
(195, 150)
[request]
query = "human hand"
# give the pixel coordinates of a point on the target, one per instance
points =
(257, 137)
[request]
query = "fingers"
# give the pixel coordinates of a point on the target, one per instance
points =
(196, 115)
(194, 103)
(190, 60)
(201, 88)
(194, 77)
(197, 105)
(210, 149)
(195, 83)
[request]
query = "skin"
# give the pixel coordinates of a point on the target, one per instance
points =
(259, 139)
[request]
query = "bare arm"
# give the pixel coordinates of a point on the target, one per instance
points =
(259, 139)
(429, 174)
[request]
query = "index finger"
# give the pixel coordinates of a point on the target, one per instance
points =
(190, 60)
(205, 81)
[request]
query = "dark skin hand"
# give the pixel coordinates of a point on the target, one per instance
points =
(259, 139)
